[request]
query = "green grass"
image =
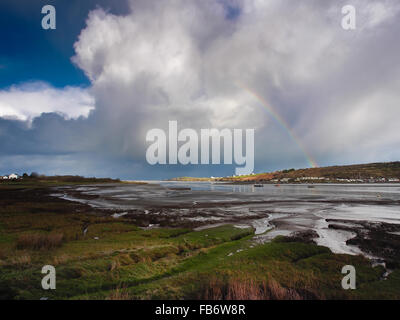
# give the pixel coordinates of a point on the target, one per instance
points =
(131, 257)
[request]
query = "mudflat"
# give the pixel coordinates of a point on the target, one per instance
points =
(199, 240)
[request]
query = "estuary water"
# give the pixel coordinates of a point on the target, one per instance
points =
(272, 210)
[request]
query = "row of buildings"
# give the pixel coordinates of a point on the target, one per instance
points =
(11, 176)
(324, 179)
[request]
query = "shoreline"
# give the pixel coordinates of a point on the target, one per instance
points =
(153, 249)
(191, 215)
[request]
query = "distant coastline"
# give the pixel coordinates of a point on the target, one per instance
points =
(383, 172)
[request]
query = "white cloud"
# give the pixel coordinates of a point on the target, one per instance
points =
(184, 60)
(27, 101)
(376, 13)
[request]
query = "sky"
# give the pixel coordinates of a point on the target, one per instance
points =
(80, 99)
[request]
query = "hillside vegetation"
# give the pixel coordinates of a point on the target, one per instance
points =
(372, 172)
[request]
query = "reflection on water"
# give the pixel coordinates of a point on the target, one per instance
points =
(391, 191)
(160, 193)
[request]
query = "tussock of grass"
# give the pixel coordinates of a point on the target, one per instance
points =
(154, 253)
(248, 289)
(21, 260)
(40, 241)
(115, 264)
(61, 259)
(120, 293)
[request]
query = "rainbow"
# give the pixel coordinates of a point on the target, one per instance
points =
(282, 122)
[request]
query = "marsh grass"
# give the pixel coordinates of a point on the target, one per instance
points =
(23, 260)
(247, 289)
(163, 263)
(120, 293)
(40, 241)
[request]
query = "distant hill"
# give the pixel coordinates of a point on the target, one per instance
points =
(191, 179)
(371, 172)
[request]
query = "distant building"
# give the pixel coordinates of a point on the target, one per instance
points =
(13, 176)
(5, 178)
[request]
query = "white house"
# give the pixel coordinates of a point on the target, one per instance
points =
(13, 176)
(5, 177)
